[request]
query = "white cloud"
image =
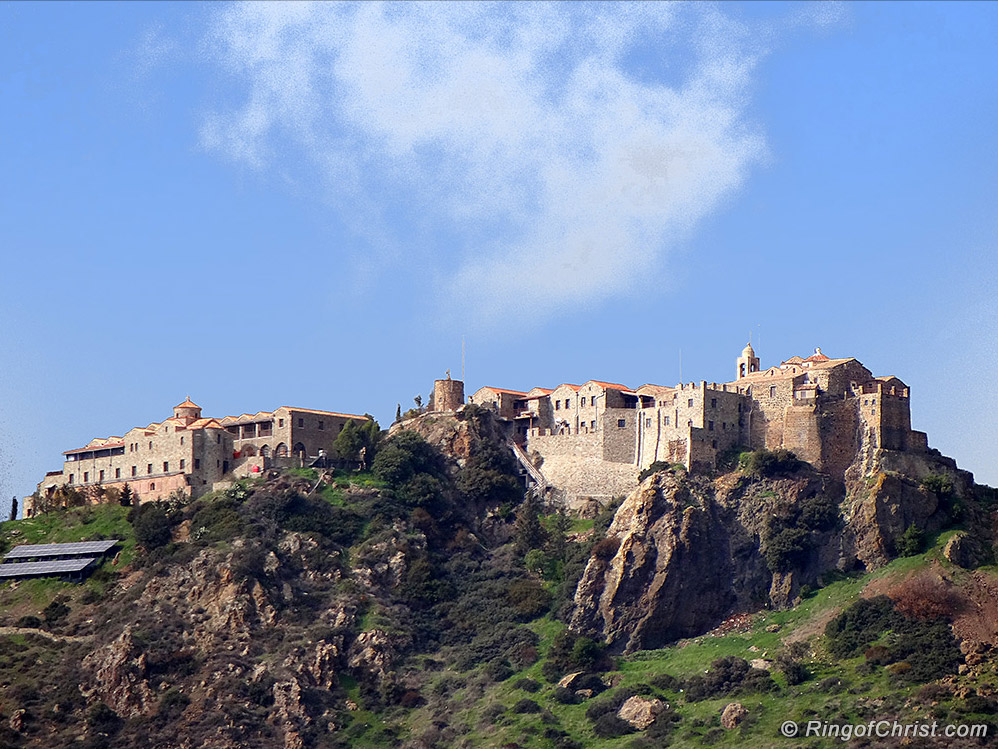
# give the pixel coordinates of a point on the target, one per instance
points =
(564, 145)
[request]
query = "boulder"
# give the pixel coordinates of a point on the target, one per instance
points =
(733, 714)
(641, 712)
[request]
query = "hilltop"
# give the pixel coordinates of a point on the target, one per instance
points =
(427, 603)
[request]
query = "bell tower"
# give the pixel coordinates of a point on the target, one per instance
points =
(747, 363)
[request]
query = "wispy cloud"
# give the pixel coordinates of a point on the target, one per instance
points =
(560, 148)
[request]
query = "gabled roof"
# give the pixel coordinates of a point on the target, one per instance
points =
(502, 390)
(188, 404)
(609, 385)
(92, 447)
(568, 385)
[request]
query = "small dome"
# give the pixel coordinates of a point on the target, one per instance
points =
(748, 351)
(188, 404)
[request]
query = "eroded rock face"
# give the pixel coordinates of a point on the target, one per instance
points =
(120, 677)
(670, 574)
(683, 552)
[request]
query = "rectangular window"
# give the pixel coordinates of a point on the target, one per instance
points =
(150, 445)
(181, 440)
(713, 402)
(280, 423)
(86, 476)
(667, 421)
(724, 426)
(197, 463)
(322, 424)
(134, 470)
(101, 476)
(772, 391)
(117, 473)
(182, 464)
(301, 422)
(149, 469)
(557, 405)
(689, 403)
(710, 426)
(648, 422)
(713, 444)
(71, 477)
(166, 466)
(621, 423)
(594, 426)
(218, 439)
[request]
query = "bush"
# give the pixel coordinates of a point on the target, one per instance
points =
(527, 685)
(529, 599)
(766, 463)
(926, 596)
(566, 696)
(498, 670)
(151, 524)
(606, 548)
(855, 628)
(610, 726)
(526, 706)
(404, 456)
(657, 467)
(911, 542)
(793, 670)
(786, 548)
(727, 676)
(55, 611)
(29, 622)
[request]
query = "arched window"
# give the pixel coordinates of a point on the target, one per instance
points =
(281, 451)
(299, 449)
(265, 451)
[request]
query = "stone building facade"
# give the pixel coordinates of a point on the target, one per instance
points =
(592, 440)
(191, 453)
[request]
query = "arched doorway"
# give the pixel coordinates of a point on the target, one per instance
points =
(265, 451)
(281, 451)
(300, 449)
(248, 451)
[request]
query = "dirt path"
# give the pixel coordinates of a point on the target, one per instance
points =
(41, 633)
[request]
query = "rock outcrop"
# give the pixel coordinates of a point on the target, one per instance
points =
(684, 551)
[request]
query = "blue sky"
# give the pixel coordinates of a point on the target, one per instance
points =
(263, 205)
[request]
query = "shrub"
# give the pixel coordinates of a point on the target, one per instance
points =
(566, 696)
(586, 653)
(938, 484)
(786, 548)
(610, 726)
(878, 655)
(911, 542)
(526, 706)
(665, 682)
(498, 670)
(29, 622)
(55, 611)
(102, 719)
(766, 463)
(727, 676)
(529, 599)
(851, 631)
(404, 456)
(926, 596)
(527, 685)
(657, 467)
(606, 548)
(151, 524)
(793, 670)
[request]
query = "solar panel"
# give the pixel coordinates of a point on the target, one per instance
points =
(37, 551)
(53, 567)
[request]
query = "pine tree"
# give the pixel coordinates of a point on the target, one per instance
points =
(398, 413)
(126, 496)
(13, 508)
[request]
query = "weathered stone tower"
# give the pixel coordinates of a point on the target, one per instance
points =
(448, 394)
(748, 362)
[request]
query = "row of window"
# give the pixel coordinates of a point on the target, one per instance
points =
(135, 470)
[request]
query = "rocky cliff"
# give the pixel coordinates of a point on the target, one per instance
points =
(683, 552)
